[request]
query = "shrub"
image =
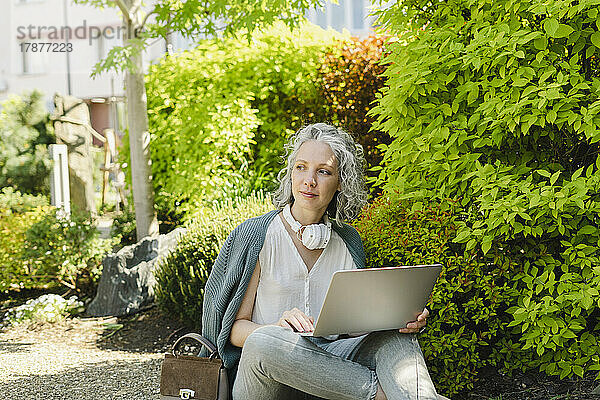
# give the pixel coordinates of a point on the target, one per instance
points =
(181, 275)
(265, 92)
(219, 114)
(496, 104)
(24, 137)
(348, 80)
(469, 302)
(65, 249)
(12, 201)
(14, 271)
(123, 227)
(46, 308)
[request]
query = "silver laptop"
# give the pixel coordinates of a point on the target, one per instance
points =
(374, 299)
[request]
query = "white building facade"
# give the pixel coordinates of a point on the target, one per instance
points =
(352, 15)
(53, 46)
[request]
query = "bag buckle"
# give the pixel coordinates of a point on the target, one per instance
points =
(186, 394)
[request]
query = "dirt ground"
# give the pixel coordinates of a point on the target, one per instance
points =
(151, 331)
(147, 331)
(531, 386)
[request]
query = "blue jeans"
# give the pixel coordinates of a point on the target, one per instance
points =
(277, 363)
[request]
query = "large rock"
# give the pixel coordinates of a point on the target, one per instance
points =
(127, 281)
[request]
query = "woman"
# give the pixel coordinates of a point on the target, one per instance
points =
(271, 276)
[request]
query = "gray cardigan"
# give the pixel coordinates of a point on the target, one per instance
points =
(230, 275)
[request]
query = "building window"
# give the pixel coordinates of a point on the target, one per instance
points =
(321, 16)
(32, 62)
(358, 14)
(348, 14)
(338, 14)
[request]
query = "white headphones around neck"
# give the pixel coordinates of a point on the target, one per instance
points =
(313, 236)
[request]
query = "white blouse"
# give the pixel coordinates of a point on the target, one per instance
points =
(285, 281)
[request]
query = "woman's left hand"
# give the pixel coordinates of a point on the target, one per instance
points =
(416, 326)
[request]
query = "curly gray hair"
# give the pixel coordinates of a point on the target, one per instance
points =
(347, 203)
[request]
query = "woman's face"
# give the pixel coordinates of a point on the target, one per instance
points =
(315, 176)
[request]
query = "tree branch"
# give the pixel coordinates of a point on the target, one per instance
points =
(146, 17)
(135, 8)
(124, 9)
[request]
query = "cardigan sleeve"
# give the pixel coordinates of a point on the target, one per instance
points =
(211, 311)
(353, 242)
(227, 283)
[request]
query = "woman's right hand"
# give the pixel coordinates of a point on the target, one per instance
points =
(296, 320)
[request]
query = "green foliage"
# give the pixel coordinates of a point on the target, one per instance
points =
(65, 249)
(181, 275)
(17, 213)
(195, 18)
(24, 137)
(348, 80)
(14, 271)
(124, 227)
(12, 201)
(496, 104)
(219, 114)
(469, 301)
(206, 147)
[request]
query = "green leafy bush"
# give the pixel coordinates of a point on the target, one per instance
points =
(67, 250)
(348, 80)
(469, 302)
(14, 271)
(208, 146)
(181, 275)
(219, 114)
(25, 134)
(495, 104)
(124, 227)
(12, 201)
(18, 212)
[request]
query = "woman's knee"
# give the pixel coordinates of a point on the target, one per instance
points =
(262, 342)
(395, 343)
(238, 391)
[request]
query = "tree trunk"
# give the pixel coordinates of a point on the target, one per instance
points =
(139, 141)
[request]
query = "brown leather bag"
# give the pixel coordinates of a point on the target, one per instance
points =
(192, 377)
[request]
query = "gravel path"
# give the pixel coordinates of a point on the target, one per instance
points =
(66, 361)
